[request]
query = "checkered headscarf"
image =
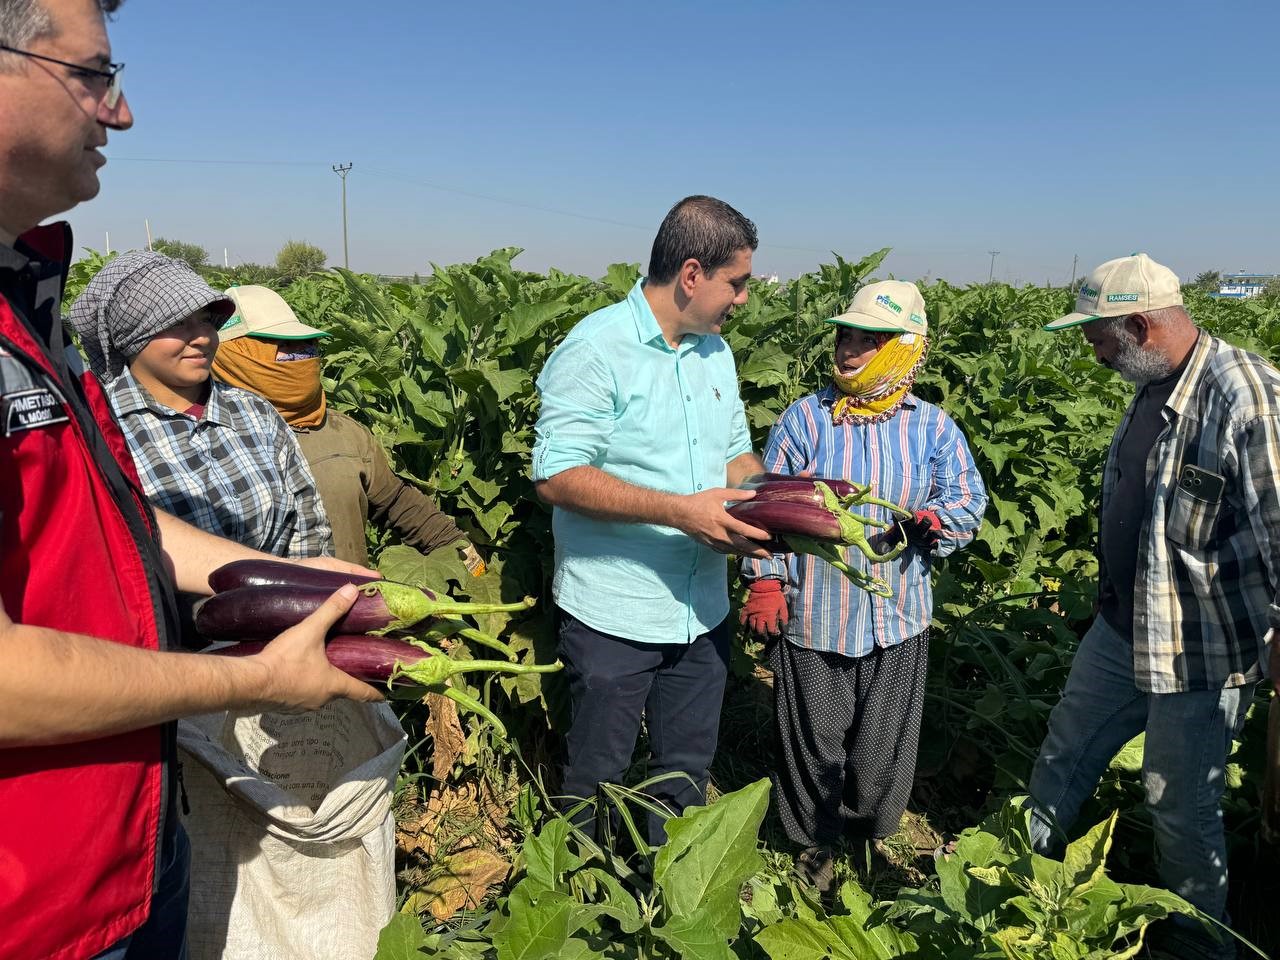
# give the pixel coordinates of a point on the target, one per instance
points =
(133, 298)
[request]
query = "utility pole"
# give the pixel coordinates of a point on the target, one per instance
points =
(1075, 258)
(992, 271)
(342, 169)
(147, 224)
(108, 242)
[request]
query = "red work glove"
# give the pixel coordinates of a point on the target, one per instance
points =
(923, 530)
(766, 608)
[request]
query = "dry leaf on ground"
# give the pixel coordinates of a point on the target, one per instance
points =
(462, 880)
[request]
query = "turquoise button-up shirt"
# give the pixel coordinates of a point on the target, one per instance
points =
(616, 396)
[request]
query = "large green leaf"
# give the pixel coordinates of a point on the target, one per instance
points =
(401, 939)
(617, 902)
(547, 856)
(539, 924)
(621, 277)
(710, 852)
(694, 939)
(527, 319)
(434, 572)
(1084, 862)
(765, 367)
(837, 938)
(434, 407)
(1129, 759)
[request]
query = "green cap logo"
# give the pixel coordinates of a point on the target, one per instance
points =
(885, 301)
(232, 321)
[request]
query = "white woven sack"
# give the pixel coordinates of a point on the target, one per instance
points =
(292, 835)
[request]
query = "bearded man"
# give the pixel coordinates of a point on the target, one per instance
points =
(1189, 561)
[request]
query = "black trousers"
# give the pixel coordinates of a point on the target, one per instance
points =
(678, 687)
(848, 729)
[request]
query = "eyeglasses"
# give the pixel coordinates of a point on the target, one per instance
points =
(111, 75)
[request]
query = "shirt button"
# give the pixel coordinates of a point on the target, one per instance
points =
(699, 486)
(695, 441)
(688, 399)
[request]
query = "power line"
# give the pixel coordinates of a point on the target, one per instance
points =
(491, 198)
(240, 163)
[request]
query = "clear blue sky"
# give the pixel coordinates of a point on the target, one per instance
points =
(942, 129)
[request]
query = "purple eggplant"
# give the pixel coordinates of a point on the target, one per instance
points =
(372, 659)
(382, 607)
(781, 517)
(275, 573)
(403, 664)
(822, 526)
(784, 486)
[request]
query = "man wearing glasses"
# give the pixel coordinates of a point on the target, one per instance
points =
(92, 859)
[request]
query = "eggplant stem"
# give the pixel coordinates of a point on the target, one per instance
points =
(440, 629)
(502, 666)
(833, 555)
(487, 640)
(468, 702)
(871, 521)
(446, 607)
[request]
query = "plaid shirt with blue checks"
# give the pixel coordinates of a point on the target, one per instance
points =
(236, 471)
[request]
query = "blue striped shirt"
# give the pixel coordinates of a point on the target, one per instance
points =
(919, 459)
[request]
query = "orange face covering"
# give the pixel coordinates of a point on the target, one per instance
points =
(292, 386)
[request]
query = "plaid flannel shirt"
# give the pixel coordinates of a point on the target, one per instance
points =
(1209, 556)
(236, 472)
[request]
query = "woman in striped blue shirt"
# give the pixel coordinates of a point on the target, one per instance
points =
(849, 667)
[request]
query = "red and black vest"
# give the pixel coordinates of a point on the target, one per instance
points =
(80, 824)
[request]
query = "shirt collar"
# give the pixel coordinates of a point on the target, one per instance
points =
(12, 259)
(129, 396)
(37, 296)
(647, 329)
(828, 396)
(1182, 400)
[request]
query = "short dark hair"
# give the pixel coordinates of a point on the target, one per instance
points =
(22, 21)
(703, 229)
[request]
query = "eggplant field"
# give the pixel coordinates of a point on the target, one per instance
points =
(443, 371)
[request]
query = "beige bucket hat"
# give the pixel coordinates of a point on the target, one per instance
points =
(1120, 287)
(888, 306)
(261, 312)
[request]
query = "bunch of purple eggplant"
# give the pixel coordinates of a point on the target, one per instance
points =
(817, 515)
(379, 640)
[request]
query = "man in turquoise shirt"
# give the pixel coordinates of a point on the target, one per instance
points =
(641, 434)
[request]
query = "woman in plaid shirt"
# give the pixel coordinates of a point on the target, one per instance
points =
(224, 460)
(218, 457)
(850, 667)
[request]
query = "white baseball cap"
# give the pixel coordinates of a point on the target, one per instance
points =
(1123, 286)
(888, 306)
(261, 312)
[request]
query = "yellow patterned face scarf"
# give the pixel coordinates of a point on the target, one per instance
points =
(875, 392)
(292, 386)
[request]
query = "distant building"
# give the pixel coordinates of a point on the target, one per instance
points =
(1238, 286)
